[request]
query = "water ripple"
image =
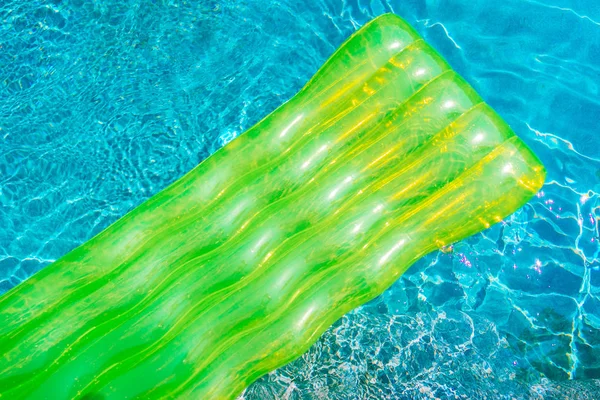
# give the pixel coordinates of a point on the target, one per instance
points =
(428, 24)
(570, 10)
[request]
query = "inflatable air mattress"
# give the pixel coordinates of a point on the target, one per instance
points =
(239, 266)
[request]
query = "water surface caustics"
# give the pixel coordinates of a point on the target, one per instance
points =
(239, 266)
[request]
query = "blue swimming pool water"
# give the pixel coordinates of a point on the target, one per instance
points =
(102, 104)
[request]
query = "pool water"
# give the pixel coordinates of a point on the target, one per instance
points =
(103, 104)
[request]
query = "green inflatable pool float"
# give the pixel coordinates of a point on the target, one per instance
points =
(239, 266)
